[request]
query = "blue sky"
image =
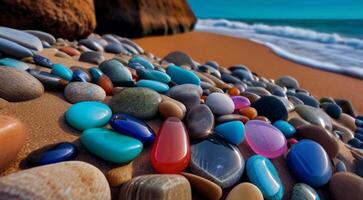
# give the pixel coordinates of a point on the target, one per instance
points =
(278, 9)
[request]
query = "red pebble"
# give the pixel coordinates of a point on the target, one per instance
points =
(70, 51)
(106, 83)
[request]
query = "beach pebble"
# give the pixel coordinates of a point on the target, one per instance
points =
(232, 131)
(228, 118)
(211, 155)
(131, 126)
(308, 100)
(56, 181)
(245, 191)
(263, 174)
(119, 175)
(271, 107)
(229, 78)
(22, 38)
(139, 102)
(347, 121)
(43, 36)
(61, 54)
(115, 48)
(88, 114)
(62, 71)
(70, 51)
(110, 145)
(204, 187)
(333, 110)
(346, 106)
(240, 102)
(249, 112)
(83, 91)
(18, 85)
(251, 96)
(182, 76)
(309, 162)
(92, 57)
(116, 71)
(200, 121)
(220, 104)
(287, 81)
(340, 166)
(242, 74)
(9, 62)
(49, 81)
(171, 150)
(285, 127)
(359, 167)
(42, 61)
(345, 185)
(154, 85)
(302, 191)
(171, 109)
(156, 186)
(179, 58)
(153, 75)
(13, 49)
(265, 139)
(186, 95)
(91, 44)
(142, 61)
(314, 116)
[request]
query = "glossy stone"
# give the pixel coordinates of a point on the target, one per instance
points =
(309, 162)
(232, 131)
(80, 76)
(70, 51)
(245, 191)
(92, 57)
(308, 100)
(110, 145)
(228, 118)
(263, 174)
(240, 102)
(314, 116)
(115, 48)
(42, 61)
(171, 150)
(332, 109)
(119, 175)
(22, 38)
(83, 91)
(141, 60)
(346, 106)
(154, 75)
(154, 85)
(249, 112)
(287, 81)
(42, 36)
(91, 44)
(49, 81)
(179, 58)
(96, 73)
(171, 109)
(203, 186)
(63, 151)
(285, 127)
(62, 71)
(118, 73)
(345, 185)
(220, 104)
(87, 114)
(200, 121)
(265, 139)
(9, 62)
(302, 191)
(182, 76)
(188, 94)
(340, 166)
(13, 49)
(271, 107)
(242, 74)
(217, 161)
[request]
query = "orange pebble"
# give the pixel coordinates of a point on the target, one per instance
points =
(248, 112)
(203, 97)
(234, 91)
(263, 118)
(244, 119)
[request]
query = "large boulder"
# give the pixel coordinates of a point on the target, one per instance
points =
(68, 19)
(136, 18)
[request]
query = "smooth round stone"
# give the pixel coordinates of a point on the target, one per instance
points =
(265, 139)
(115, 48)
(229, 78)
(153, 75)
(18, 85)
(92, 57)
(189, 98)
(61, 152)
(303, 191)
(130, 49)
(106, 84)
(144, 62)
(81, 76)
(110, 145)
(91, 44)
(119, 175)
(191, 88)
(333, 110)
(309, 162)
(228, 118)
(42, 61)
(240, 102)
(204, 187)
(118, 73)
(182, 76)
(232, 131)
(13, 49)
(258, 90)
(200, 121)
(245, 191)
(345, 185)
(133, 127)
(346, 106)
(359, 136)
(83, 91)
(70, 51)
(42, 36)
(22, 38)
(139, 102)
(242, 74)
(340, 166)
(49, 81)
(171, 109)
(220, 104)
(287, 81)
(285, 127)
(359, 122)
(127, 41)
(171, 150)
(9, 62)
(355, 142)
(217, 161)
(347, 121)
(251, 96)
(88, 114)
(314, 116)
(62, 71)
(308, 100)
(154, 85)
(271, 107)
(263, 174)
(249, 112)
(179, 58)
(96, 73)
(61, 54)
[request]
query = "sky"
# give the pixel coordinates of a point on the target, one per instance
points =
(278, 9)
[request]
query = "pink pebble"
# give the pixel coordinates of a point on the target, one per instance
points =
(240, 102)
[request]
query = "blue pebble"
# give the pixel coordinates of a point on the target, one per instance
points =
(359, 130)
(96, 74)
(359, 122)
(285, 127)
(308, 100)
(242, 74)
(80, 76)
(136, 66)
(232, 131)
(17, 64)
(13, 49)
(182, 76)
(154, 85)
(62, 152)
(340, 167)
(62, 71)
(360, 117)
(153, 75)
(42, 61)
(333, 110)
(133, 127)
(144, 62)
(355, 142)
(359, 136)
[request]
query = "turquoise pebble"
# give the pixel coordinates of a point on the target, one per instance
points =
(9, 62)
(62, 71)
(110, 145)
(144, 62)
(285, 127)
(232, 131)
(96, 73)
(88, 114)
(263, 174)
(154, 75)
(154, 85)
(182, 76)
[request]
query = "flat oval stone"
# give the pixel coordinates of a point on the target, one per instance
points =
(271, 107)
(133, 127)
(81, 76)
(287, 81)
(242, 74)
(70, 51)
(42, 61)
(13, 49)
(18, 85)
(179, 58)
(49, 81)
(265, 139)
(110, 145)
(332, 109)
(171, 109)
(61, 54)
(156, 186)
(200, 121)
(245, 191)
(91, 44)
(340, 166)
(220, 104)
(205, 187)
(9, 62)
(308, 100)
(171, 151)
(228, 118)
(119, 175)
(285, 127)
(154, 75)
(309, 162)
(183, 93)
(144, 62)
(232, 131)
(92, 57)
(182, 76)
(314, 116)
(154, 85)
(249, 112)
(118, 73)
(139, 102)
(88, 114)
(83, 91)
(22, 38)
(115, 48)
(345, 185)
(263, 174)
(217, 161)
(62, 71)
(42, 36)
(303, 191)
(106, 84)
(240, 102)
